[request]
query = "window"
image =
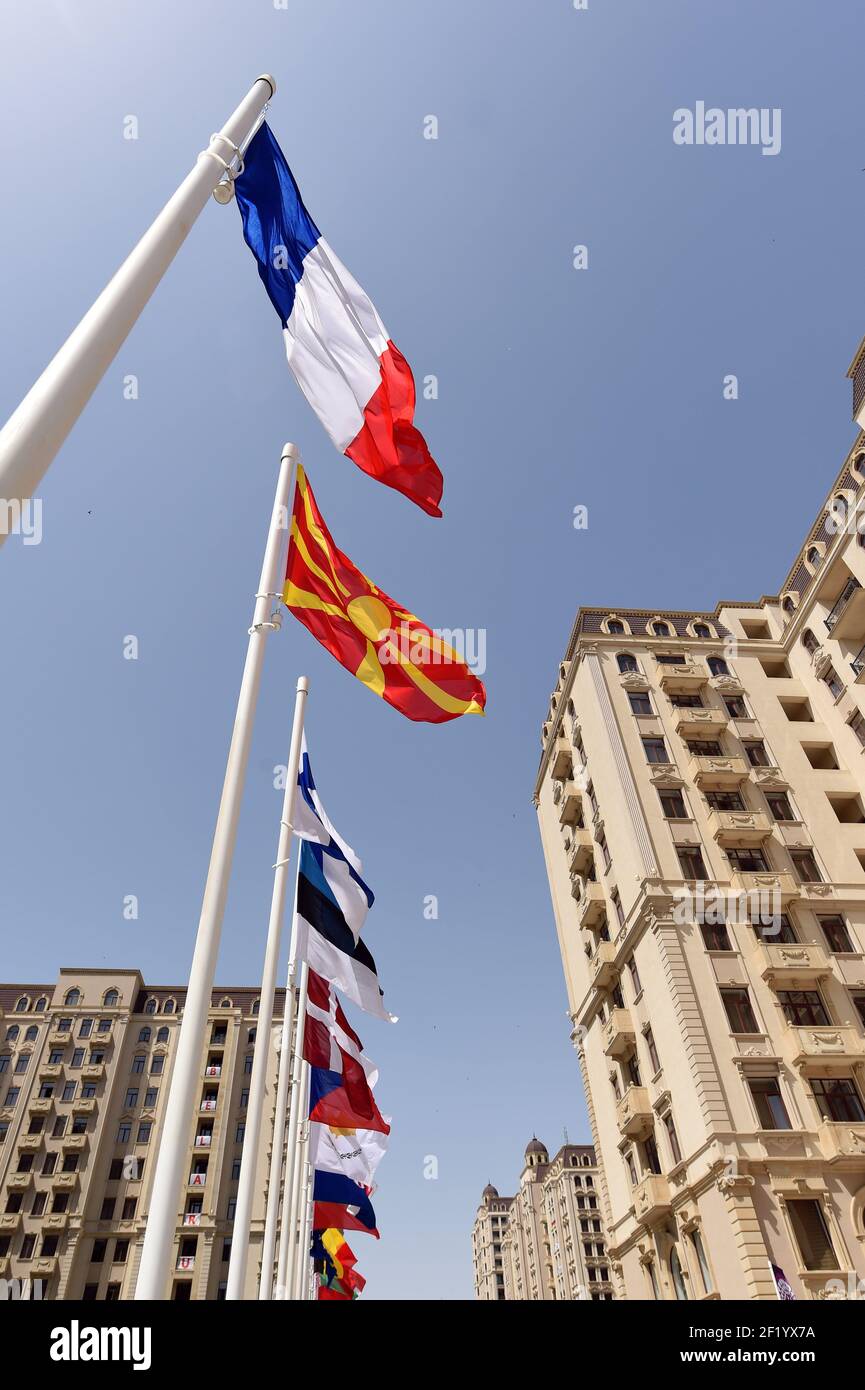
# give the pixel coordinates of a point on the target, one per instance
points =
(640, 702)
(239, 1133)
(615, 628)
(702, 630)
(605, 850)
(85, 1028)
(70, 1163)
(131, 1098)
(858, 1000)
(144, 1130)
(12, 1096)
(97, 1254)
(812, 1234)
(112, 999)
(112, 1293)
(805, 866)
(129, 1206)
(157, 1065)
(12, 1032)
(740, 1015)
(769, 1102)
(121, 1250)
(144, 1035)
(150, 1097)
(77, 1057)
(41, 1005)
(837, 1098)
(715, 937)
(718, 666)
(138, 1062)
(779, 929)
(631, 1167)
(677, 1277)
(39, 1200)
(705, 747)
(779, 806)
(691, 862)
(755, 752)
(857, 724)
(617, 904)
(809, 641)
(73, 998)
(635, 976)
(672, 1138)
(69, 1090)
(652, 1051)
(49, 1163)
(59, 1127)
(23, 1062)
(162, 1035)
(169, 1006)
(804, 1008)
(748, 861)
(725, 801)
(736, 707)
(4, 1062)
(656, 750)
(669, 659)
(28, 1245)
(60, 1203)
(662, 629)
(124, 1133)
(653, 1279)
(107, 1211)
(673, 805)
(679, 701)
(702, 1261)
(150, 1006)
(834, 682)
(837, 936)
(104, 1025)
(626, 662)
(32, 1033)
(651, 1159)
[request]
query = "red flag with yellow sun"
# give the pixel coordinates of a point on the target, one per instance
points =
(378, 640)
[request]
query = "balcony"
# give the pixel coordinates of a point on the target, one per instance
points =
(30, 1141)
(652, 1199)
(776, 889)
(841, 1139)
(562, 761)
(789, 965)
(837, 1043)
(592, 906)
(85, 1105)
(18, 1182)
(44, 1266)
(10, 1221)
(685, 675)
(739, 827)
(602, 966)
(846, 620)
(581, 852)
(41, 1105)
(65, 1181)
(619, 1033)
(857, 665)
(51, 1071)
(770, 778)
(700, 723)
(94, 1071)
(634, 1114)
(718, 772)
(570, 804)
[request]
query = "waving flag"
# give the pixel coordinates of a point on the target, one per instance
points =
(338, 862)
(328, 1035)
(326, 941)
(396, 655)
(339, 351)
(354, 1152)
(343, 1099)
(341, 1203)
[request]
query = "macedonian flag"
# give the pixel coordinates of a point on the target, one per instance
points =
(380, 642)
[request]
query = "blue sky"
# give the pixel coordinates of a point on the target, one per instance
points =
(557, 387)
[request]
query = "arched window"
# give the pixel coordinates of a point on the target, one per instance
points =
(701, 630)
(662, 629)
(615, 627)
(41, 1005)
(22, 1004)
(250, 1037)
(226, 1003)
(145, 1035)
(112, 999)
(812, 555)
(169, 1006)
(150, 1006)
(859, 463)
(678, 1277)
(839, 509)
(73, 997)
(718, 666)
(162, 1035)
(788, 605)
(255, 1007)
(809, 641)
(32, 1033)
(12, 1032)
(626, 662)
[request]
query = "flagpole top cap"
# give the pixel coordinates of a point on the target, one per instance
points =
(290, 451)
(266, 77)
(303, 685)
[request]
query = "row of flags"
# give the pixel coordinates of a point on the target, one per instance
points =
(348, 1134)
(362, 390)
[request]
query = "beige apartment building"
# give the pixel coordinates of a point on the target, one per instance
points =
(701, 799)
(85, 1066)
(546, 1242)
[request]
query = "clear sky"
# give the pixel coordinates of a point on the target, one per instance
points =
(557, 387)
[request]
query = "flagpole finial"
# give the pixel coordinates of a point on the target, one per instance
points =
(303, 685)
(266, 77)
(290, 451)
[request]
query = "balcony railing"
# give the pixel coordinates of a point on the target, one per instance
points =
(857, 665)
(841, 603)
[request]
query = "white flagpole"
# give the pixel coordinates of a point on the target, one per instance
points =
(296, 1105)
(295, 1221)
(164, 1198)
(305, 1228)
(34, 433)
(261, 1057)
(280, 1118)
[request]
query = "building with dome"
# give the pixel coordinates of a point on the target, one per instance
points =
(547, 1242)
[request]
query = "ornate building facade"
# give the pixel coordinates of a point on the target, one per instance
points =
(701, 800)
(85, 1066)
(546, 1242)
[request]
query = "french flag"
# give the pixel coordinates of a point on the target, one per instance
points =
(354, 377)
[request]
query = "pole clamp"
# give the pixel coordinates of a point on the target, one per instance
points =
(231, 168)
(273, 625)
